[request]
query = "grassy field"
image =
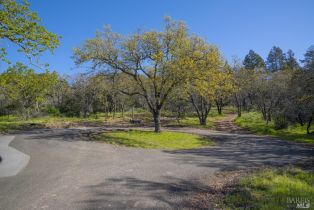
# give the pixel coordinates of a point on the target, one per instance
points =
(15, 123)
(149, 139)
(273, 189)
(193, 121)
(9, 123)
(254, 122)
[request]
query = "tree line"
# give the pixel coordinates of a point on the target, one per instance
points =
(280, 88)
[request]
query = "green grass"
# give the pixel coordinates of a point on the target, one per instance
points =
(272, 189)
(193, 121)
(150, 139)
(213, 117)
(254, 122)
(9, 123)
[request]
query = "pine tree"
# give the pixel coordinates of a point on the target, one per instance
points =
(253, 60)
(275, 60)
(309, 59)
(291, 61)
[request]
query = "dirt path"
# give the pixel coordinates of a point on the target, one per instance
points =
(228, 125)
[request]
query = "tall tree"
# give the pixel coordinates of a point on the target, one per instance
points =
(225, 87)
(291, 61)
(204, 78)
(155, 62)
(300, 102)
(309, 59)
(275, 59)
(270, 91)
(253, 60)
(307, 86)
(21, 26)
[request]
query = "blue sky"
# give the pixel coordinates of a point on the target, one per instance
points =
(235, 26)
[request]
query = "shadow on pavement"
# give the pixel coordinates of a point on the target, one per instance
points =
(132, 193)
(244, 151)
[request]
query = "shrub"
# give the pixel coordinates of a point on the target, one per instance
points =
(53, 111)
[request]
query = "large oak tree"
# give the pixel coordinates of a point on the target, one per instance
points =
(155, 62)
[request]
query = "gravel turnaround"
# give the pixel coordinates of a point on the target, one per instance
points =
(66, 171)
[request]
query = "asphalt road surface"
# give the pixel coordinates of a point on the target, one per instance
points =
(65, 171)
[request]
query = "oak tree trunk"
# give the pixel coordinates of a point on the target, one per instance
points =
(202, 120)
(309, 125)
(157, 124)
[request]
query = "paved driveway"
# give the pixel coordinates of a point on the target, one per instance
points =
(67, 172)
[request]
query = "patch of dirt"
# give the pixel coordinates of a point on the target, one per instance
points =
(228, 125)
(220, 185)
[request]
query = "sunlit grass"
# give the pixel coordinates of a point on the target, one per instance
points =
(272, 189)
(9, 123)
(193, 121)
(254, 122)
(150, 139)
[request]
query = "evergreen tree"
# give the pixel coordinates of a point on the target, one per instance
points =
(291, 61)
(275, 60)
(253, 60)
(309, 59)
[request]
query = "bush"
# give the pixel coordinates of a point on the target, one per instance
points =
(53, 111)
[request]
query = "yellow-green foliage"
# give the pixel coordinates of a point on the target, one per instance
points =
(271, 189)
(209, 77)
(149, 139)
(22, 27)
(254, 121)
(25, 88)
